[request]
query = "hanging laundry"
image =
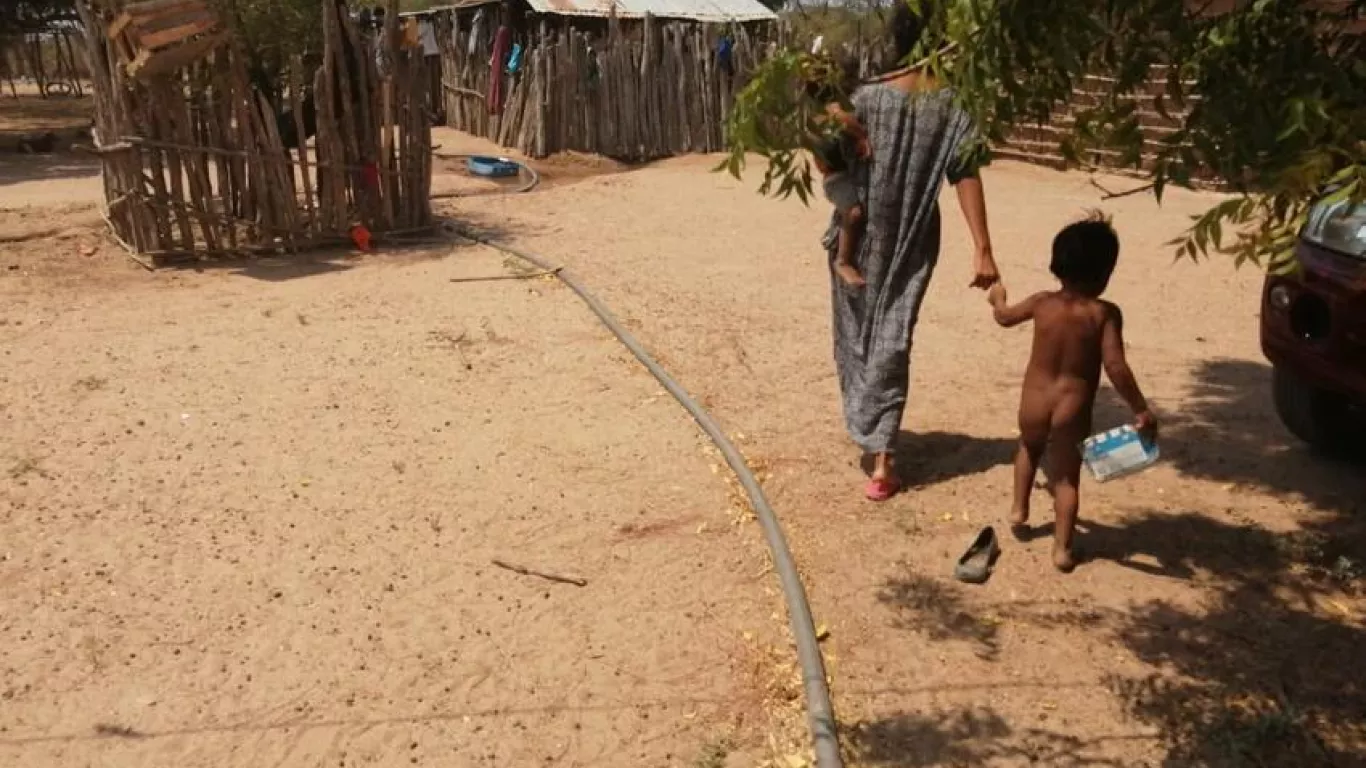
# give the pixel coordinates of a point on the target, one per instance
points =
(515, 59)
(476, 30)
(593, 73)
(502, 41)
(725, 55)
(426, 32)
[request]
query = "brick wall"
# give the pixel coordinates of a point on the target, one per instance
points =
(1039, 143)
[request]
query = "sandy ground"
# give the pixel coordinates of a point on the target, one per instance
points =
(182, 447)
(249, 515)
(61, 179)
(24, 111)
(1211, 625)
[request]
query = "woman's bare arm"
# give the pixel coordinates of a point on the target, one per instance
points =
(972, 199)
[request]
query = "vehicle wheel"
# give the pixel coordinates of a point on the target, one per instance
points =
(1324, 420)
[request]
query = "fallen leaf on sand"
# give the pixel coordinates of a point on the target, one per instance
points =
(822, 632)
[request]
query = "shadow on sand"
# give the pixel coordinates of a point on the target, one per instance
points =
(925, 459)
(443, 241)
(1260, 673)
(966, 737)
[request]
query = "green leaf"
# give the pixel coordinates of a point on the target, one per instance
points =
(1343, 193)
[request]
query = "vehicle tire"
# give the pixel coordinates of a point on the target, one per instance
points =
(1325, 420)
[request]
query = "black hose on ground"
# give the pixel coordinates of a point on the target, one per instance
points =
(820, 712)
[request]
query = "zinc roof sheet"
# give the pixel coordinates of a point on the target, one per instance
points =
(692, 10)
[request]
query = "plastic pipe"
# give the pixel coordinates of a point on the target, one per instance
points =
(820, 713)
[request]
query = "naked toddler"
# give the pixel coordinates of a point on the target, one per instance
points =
(1076, 334)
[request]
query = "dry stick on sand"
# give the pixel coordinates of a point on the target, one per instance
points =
(488, 278)
(1113, 195)
(541, 574)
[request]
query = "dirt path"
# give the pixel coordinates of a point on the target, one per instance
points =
(249, 516)
(1214, 619)
(180, 448)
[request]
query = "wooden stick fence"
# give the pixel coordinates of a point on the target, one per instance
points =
(643, 90)
(195, 164)
(47, 57)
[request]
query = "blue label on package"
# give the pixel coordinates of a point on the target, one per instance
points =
(1118, 452)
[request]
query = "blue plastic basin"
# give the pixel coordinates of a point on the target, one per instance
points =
(491, 166)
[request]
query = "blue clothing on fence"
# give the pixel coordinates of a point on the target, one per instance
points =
(725, 55)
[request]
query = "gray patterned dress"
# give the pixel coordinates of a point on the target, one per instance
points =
(916, 141)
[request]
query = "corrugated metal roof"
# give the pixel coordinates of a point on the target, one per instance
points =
(456, 5)
(693, 10)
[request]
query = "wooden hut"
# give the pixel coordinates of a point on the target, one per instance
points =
(202, 156)
(630, 79)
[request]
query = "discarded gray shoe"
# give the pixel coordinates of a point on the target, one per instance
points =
(974, 567)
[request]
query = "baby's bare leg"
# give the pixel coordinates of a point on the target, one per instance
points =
(851, 223)
(1066, 501)
(1035, 416)
(1071, 425)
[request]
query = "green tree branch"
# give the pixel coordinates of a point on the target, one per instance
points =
(1268, 98)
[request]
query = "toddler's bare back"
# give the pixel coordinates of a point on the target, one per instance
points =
(1065, 362)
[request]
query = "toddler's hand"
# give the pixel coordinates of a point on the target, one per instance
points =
(1146, 424)
(996, 295)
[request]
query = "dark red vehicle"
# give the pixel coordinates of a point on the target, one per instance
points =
(1314, 332)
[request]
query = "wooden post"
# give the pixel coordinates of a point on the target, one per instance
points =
(223, 165)
(542, 94)
(196, 165)
(296, 106)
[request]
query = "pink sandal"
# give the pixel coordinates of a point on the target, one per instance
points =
(881, 490)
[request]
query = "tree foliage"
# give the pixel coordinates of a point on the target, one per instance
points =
(273, 31)
(1267, 96)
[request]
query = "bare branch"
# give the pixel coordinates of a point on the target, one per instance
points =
(1108, 195)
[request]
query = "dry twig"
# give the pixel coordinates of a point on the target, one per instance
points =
(1108, 195)
(541, 574)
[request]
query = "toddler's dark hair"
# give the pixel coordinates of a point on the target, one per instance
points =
(1085, 252)
(827, 90)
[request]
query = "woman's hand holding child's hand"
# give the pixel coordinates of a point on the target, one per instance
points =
(984, 269)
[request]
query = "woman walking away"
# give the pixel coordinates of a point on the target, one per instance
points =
(918, 137)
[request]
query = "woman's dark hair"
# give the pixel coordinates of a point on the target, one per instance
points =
(906, 27)
(1085, 253)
